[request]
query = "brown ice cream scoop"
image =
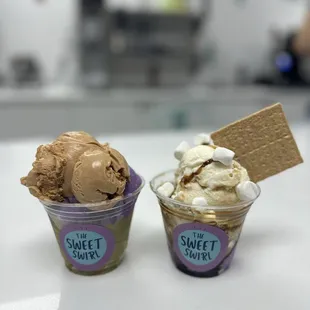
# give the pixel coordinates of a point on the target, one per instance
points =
(99, 175)
(55, 163)
(73, 150)
(77, 137)
(75, 144)
(46, 178)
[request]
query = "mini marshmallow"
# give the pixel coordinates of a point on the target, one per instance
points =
(166, 189)
(181, 149)
(223, 155)
(247, 191)
(202, 138)
(199, 201)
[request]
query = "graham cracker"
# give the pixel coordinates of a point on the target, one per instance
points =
(263, 143)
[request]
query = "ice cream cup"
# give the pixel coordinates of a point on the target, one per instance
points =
(201, 240)
(93, 237)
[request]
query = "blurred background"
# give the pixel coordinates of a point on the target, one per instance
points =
(115, 66)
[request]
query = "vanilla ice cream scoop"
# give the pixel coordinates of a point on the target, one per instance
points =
(196, 156)
(99, 175)
(209, 173)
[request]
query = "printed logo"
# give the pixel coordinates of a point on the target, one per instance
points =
(200, 247)
(87, 247)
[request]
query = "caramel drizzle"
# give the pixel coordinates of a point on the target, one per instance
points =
(187, 179)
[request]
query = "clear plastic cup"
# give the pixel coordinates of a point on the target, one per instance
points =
(93, 237)
(201, 240)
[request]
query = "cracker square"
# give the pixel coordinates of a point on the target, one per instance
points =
(263, 143)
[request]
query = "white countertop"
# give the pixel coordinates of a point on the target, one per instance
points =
(271, 269)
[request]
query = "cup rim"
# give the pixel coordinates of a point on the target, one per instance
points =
(49, 203)
(206, 208)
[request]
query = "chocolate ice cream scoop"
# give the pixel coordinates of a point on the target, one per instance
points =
(46, 178)
(77, 137)
(77, 166)
(75, 144)
(99, 175)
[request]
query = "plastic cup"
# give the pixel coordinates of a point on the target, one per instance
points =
(93, 237)
(201, 240)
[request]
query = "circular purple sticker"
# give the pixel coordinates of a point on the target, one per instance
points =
(200, 247)
(87, 247)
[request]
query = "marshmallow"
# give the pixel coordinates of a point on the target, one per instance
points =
(202, 138)
(181, 149)
(247, 191)
(223, 155)
(166, 189)
(199, 201)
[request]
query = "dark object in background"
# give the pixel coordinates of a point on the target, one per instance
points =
(93, 43)
(25, 71)
(159, 48)
(288, 63)
(138, 49)
(286, 66)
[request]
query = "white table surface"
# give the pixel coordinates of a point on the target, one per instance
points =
(271, 269)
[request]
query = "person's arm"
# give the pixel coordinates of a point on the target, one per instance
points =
(302, 39)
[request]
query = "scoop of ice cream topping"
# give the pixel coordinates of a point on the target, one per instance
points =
(75, 143)
(207, 174)
(77, 165)
(46, 178)
(98, 176)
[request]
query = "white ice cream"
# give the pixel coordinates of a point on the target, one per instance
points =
(215, 182)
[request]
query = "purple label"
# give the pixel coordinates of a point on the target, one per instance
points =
(200, 247)
(87, 247)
